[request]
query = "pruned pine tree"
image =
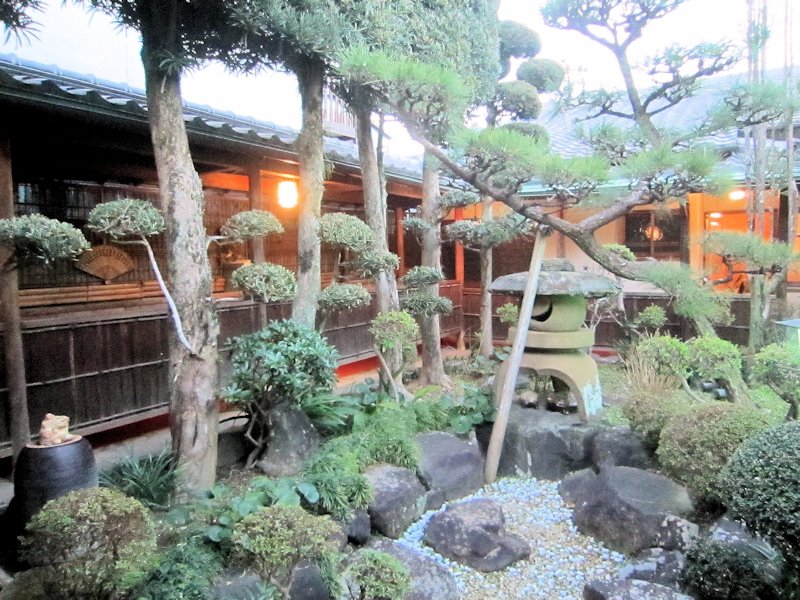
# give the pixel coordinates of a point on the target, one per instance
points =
(660, 166)
(15, 16)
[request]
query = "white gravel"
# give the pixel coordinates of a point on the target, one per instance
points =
(561, 561)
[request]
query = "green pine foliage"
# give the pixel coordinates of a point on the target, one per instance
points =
(751, 249)
(345, 231)
(125, 218)
(422, 304)
(250, 224)
(36, 238)
(690, 297)
(265, 282)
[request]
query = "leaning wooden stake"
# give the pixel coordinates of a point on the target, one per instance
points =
(514, 360)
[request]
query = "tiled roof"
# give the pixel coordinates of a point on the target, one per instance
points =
(39, 83)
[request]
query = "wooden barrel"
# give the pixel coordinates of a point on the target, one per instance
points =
(43, 473)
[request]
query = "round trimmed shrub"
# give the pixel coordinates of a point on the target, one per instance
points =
(761, 485)
(36, 238)
(721, 571)
(345, 231)
(273, 540)
(93, 543)
(714, 358)
(125, 218)
(649, 413)
(344, 296)
(251, 224)
(377, 575)
(544, 74)
(694, 446)
(265, 282)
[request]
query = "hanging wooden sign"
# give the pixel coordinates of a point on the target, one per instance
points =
(105, 262)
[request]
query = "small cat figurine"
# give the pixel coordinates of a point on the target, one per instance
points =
(55, 430)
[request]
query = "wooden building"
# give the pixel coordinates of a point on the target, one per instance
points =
(96, 346)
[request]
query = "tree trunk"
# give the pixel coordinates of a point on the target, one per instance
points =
(487, 330)
(386, 295)
(311, 81)
(432, 361)
(194, 411)
(12, 328)
(757, 324)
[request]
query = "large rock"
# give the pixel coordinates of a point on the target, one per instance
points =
(307, 582)
(449, 467)
(760, 552)
(292, 441)
(429, 579)
(235, 584)
(398, 499)
(656, 565)
(621, 447)
(358, 527)
(629, 589)
(544, 445)
(630, 509)
(232, 448)
(472, 532)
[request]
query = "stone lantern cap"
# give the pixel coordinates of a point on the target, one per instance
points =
(557, 278)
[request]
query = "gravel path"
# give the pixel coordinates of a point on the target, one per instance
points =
(561, 561)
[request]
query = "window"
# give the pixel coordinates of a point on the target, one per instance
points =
(648, 233)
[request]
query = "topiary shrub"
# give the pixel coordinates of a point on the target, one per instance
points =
(376, 575)
(695, 445)
(265, 282)
(656, 364)
(36, 238)
(649, 413)
(126, 218)
(720, 571)
(544, 74)
(345, 231)
(778, 366)
(760, 485)
(343, 296)
(273, 540)
(713, 358)
(93, 543)
(250, 224)
(371, 263)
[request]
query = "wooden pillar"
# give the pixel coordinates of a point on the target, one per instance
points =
(256, 203)
(12, 323)
(459, 215)
(399, 233)
(696, 232)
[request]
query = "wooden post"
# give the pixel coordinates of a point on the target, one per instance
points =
(514, 360)
(459, 250)
(257, 203)
(399, 232)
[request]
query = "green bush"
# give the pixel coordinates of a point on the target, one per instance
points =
(760, 486)
(265, 282)
(335, 471)
(93, 543)
(695, 445)
(666, 353)
(344, 296)
(273, 540)
(185, 572)
(544, 74)
(330, 413)
(509, 314)
(418, 277)
(649, 413)
(250, 224)
(720, 571)
(280, 363)
(423, 304)
(345, 231)
(714, 358)
(36, 238)
(377, 575)
(149, 479)
(125, 218)
(396, 330)
(778, 366)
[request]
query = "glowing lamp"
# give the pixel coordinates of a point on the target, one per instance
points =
(287, 194)
(737, 195)
(653, 233)
(715, 215)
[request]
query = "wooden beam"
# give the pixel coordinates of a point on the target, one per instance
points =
(399, 232)
(256, 203)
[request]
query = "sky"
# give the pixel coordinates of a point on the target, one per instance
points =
(87, 43)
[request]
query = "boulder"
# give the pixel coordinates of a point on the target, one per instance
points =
(621, 447)
(630, 510)
(449, 467)
(232, 448)
(543, 444)
(656, 565)
(358, 527)
(472, 532)
(429, 579)
(728, 531)
(629, 589)
(576, 487)
(235, 584)
(398, 499)
(292, 441)
(307, 583)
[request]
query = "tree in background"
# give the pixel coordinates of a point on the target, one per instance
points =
(660, 166)
(175, 36)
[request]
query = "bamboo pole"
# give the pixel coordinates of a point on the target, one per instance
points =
(514, 360)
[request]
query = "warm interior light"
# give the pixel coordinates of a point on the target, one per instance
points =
(653, 233)
(737, 195)
(715, 215)
(287, 194)
(713, 223)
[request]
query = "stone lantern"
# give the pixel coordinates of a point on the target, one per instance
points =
(558, 342)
